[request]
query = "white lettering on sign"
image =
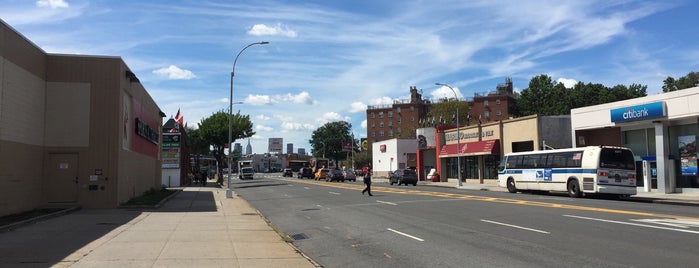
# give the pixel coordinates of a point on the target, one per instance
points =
(631, 113)
(470, 135)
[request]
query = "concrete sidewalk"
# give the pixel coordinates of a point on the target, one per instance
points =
(198, 227)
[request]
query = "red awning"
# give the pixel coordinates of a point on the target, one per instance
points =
(471, 148)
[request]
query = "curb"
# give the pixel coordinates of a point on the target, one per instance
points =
(156, 206)
(20, 224)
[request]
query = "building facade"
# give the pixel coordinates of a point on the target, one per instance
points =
(492, 106)
(78, 130)
(393, 154)
(399, 119)
(661, 130)
(480, 147)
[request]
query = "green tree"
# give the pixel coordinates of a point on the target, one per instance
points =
(688, 81)
(545, 97)
(445, 111)
(327, 140)
(214, 131)
(197, 146)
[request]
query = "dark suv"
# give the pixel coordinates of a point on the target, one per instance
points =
(334, 175)
(403, 176)
(305, 172)
(287, 172)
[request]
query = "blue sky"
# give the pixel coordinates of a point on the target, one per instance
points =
(328, 60)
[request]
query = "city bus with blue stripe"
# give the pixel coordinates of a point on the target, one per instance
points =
(578, 171)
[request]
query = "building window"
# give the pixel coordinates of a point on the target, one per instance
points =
(398, 110)
(497, 101)
(398, 120)
(498, 113)
(390, 123)
(373, 115)
(373, 124)
(412, 108)
(373, 133)
(380, 114)
(486, 114)
(381, 124)
(485, 103)
(381, 133)
(398, 130)
(412, 119)
(390, 133)
(390, 113)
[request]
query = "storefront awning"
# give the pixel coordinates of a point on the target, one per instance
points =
(471, 148)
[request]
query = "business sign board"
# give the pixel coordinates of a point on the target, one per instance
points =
(639, 112)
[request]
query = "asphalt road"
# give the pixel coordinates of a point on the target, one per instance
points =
(407, 226)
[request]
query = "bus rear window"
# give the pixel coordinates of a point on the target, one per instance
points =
(617, 158)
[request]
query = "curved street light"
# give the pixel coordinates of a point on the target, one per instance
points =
(229, 192)
(458, 134)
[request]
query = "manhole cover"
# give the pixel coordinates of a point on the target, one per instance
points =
(300, 236)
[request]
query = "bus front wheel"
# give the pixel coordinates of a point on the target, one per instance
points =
(574, 189)
(511, 185)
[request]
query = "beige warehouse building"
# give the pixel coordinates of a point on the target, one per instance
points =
(74, 130)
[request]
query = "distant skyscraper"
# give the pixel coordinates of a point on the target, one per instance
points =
(302, 151)
(275, 145)
(248, 149)
(289, 148)
(237, 147)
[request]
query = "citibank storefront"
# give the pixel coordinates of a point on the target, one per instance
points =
(661, 130)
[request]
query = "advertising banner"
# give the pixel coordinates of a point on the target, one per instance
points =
(688, 154)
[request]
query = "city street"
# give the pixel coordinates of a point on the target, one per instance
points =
(407, 226)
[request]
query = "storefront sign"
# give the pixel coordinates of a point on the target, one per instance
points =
(145, 131)
(468, 135)
(638, 112)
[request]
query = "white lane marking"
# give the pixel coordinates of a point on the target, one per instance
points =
(671, 222)
(388, 203)
(407, 235)
(334, 193)
(306, 188)
(634, 224)
(515, 226)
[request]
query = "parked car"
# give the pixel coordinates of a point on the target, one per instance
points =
(403, 176)
(246, 173)
(334, 175)
(320, 174)
(349, 175)
(287, 172)
(305, 172)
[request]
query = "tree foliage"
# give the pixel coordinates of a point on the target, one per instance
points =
(688, 81)
(327, 140)
(444, 113)
(214, 132)
(545, 97)
(197, 146)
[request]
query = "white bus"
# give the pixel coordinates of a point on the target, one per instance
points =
(592, 169)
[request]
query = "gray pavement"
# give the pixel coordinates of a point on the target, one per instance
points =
(687, 199)
(198, 227)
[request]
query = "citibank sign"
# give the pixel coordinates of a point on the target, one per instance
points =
(639, 112)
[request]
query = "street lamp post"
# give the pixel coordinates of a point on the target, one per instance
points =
(229, 192)
(458, 134)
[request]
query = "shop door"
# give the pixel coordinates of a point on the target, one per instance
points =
(62, 179)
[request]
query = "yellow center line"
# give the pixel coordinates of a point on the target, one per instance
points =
(489, 199)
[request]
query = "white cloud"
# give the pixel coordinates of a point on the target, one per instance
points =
(263, 117)
(298, 126)
(261, 29)
(258, 99)
(301, 98)
(382, 100)
(363, 125)
(175, 73)
(445, 92)
(263, 128)
(52, 4)
(357, 107)
(567, 82)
